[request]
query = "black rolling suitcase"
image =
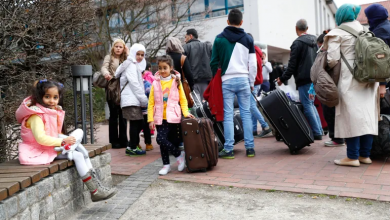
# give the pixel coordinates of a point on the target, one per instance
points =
(202, 110)
(288, 120)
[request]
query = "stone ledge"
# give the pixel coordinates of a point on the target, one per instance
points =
(55, 196)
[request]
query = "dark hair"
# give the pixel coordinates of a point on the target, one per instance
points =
(39, 90)
(235, 17)
(320, 38)
(148, 65)
(168, 60)
(193, 32)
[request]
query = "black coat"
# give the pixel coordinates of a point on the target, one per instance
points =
(199, 55)
(186, 68)
(302, 56)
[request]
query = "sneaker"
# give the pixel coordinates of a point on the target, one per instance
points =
(333, 144)
(264, 133)
(142, 133)
(317, 137)
(136, 152)
(226, 155)
(165, 170)
(149, 147)
(181, 161)
(152, 133)
(250, 152)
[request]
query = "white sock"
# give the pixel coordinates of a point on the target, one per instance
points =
(167, 166)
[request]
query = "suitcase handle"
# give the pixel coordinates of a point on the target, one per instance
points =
(283, 123)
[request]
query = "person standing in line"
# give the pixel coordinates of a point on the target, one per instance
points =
(302, 56)
(267, 69)
(234, 52)
(357, 113)
(377, 16)
(118, 54)
(133, 95)
(199, 55)
(256, 114)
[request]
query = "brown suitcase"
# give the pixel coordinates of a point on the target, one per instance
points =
(200, 144)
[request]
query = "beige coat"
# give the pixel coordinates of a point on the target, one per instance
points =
(357, 111)
(106, 65)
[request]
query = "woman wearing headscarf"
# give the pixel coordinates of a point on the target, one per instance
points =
(133, 95)
(377, 16)
(175, 50)
(111, 62)
(357, 112)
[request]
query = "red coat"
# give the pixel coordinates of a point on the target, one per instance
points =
(259, 58)
(213, 94)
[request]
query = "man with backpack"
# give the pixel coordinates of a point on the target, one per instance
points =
(302, 56)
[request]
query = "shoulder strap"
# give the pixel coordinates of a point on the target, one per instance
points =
(182, 59)
(349, 30)
(124, 86)
(346, 62)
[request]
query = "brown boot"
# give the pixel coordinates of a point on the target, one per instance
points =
(98, 192)
(149, 147)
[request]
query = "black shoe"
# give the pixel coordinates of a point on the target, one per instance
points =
(255, 133)
(116, 146)
(317, 137)
(250, 152)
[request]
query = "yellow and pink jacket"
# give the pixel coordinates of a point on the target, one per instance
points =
(33, 150)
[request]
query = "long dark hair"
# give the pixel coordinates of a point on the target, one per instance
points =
(39, 90)
(168, 60)
(320, 38)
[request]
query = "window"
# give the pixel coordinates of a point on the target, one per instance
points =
(197, 10)
(321, 23)
(325, 26)
(328, 21)
(235, 3)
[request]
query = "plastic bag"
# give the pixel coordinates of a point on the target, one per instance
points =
(290, 92)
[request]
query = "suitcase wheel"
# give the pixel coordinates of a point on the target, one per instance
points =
(293, 152)
(204, 170)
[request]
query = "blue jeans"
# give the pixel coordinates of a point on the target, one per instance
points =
(256, 114)
(241, 88)
(310, 110)
(265, 86)
(359, 146)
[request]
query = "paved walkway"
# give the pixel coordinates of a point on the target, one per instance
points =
(311, 171)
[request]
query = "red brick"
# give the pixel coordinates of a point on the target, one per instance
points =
(344, 189)
(219, 174)
(384, 198)
(259, 182)
(289, 189)
(231, 184)
(379, 182)
(281, 184)
(358, 195)
(321, 191)
(377, 192)
(305, 186)
(348, 180)
(299, 181)
(228, 180)
(245, 177)
(363, 186)
(258, 186)
(209, 182)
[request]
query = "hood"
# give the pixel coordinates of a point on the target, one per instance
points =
(25, 110)
(133, 53)
(376, 14)
(174, 45)
(157, 75)
(308, 39)
(147, 74)
(233, 34)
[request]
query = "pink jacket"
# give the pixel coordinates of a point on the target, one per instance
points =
(173, 110)
(148, 76)
(30, 152)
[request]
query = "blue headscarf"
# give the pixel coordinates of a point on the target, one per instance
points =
(376, 14)
(347, 13)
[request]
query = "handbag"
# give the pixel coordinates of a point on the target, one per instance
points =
(186, 86)
(114, 91)
(98, 80)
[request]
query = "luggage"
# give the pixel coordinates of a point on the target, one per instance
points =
(372, 59)
(381, 143)
(202, 110)
(200, 144)
(286, 118)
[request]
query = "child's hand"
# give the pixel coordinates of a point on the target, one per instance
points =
(151, 125)
(191, 116)
(70, 140)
